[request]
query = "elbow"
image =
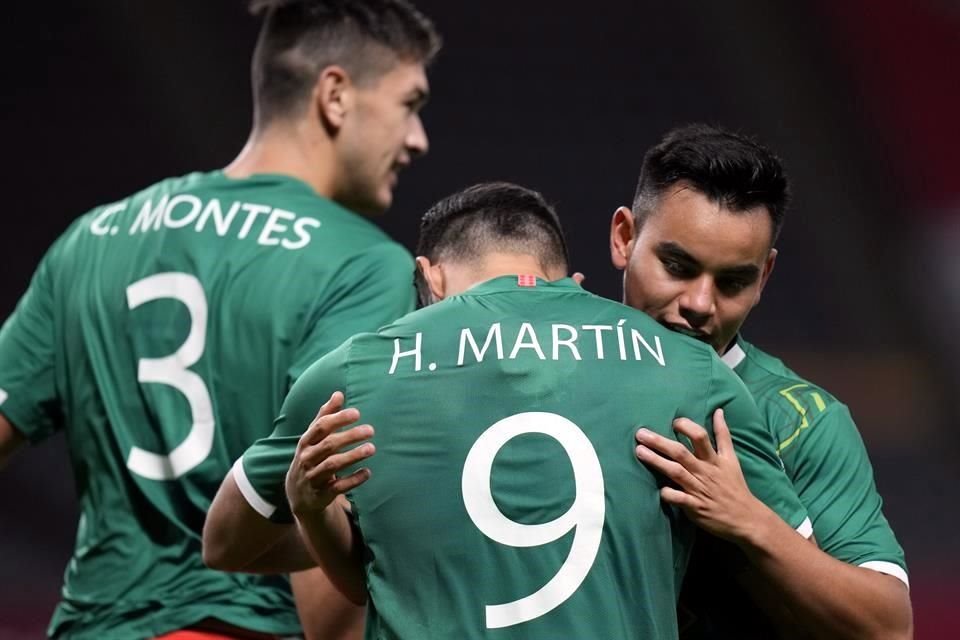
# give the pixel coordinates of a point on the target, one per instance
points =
(215, 553)
(894, 634)
(900, 629)
(214, 558)
(901, 632)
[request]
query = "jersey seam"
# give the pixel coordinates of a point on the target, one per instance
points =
(525, 291)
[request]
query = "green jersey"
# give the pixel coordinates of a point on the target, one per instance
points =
(825, 459)
(161, 333)
(506, 500)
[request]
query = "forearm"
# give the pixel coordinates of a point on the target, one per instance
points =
(237, 538)
(333, 542)
(288, 555)
(833, 599)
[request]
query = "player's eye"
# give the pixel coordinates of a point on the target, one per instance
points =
(677, 268)
(414, 105)
(732, 286)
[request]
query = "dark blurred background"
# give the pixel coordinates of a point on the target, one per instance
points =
(860, 98)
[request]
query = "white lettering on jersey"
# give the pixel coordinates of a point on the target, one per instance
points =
(214, 210)
(302, 234)
(569, 343)
(270, 227)
(478, 353)
(637, 339)
(584, 517)
(184, 198)
(561, 335)
(397, 354)
(101, 225)
(526, 329)
(149, 216)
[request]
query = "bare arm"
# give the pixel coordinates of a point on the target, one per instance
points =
(832, 598)
(10, 440)
(237, 538)
(325, 613)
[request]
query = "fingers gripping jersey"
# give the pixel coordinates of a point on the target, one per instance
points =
(162, 333)
(505, 499)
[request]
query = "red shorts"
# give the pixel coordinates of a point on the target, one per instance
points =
(201, 634)
(189, 634)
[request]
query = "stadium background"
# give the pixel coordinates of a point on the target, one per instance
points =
(100, 99)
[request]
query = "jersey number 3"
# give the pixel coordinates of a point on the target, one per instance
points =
(586, 514)
(172, 370)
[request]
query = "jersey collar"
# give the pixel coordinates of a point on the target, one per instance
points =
(734, 355)
(513, 282)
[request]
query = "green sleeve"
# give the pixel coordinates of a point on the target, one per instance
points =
(371, 290)
(28, 354)
(261, 471)
(756, 447)
(832, 473)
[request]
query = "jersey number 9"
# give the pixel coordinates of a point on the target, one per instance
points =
(586, 514)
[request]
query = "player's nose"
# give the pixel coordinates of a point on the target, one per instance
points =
(698, 301)
(417, 143)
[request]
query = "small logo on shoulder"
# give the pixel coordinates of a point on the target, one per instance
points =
(526, 281)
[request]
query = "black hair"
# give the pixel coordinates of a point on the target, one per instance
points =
(729, 168)
(299, 38)
(488, 216)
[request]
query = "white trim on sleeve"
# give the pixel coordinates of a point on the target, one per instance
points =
(806, 528)
(3, 396)
(259, 505)
(888, 568)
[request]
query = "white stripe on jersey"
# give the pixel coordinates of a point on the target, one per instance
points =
(259, 505)
(888, 568)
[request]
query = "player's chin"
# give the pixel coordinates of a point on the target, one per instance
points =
(378, 203)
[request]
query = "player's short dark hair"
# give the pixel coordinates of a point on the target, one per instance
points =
(492, 216)
(729, 168)
(299, 38)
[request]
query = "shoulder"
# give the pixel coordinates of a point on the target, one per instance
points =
(789, 401)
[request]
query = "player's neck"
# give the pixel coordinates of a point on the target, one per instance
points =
(495, 265)
(286, 149)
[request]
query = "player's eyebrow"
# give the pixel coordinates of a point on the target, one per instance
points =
(673, 250)
(747, 272)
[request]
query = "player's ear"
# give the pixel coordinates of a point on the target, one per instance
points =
(433, 276)
(765, 275)
(623, 230)
(332, 96)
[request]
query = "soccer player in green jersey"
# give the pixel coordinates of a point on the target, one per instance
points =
(697, 250)
(161, 332)
(499, 497)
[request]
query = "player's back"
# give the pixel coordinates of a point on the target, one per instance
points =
(181, 317)
(505, 499)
